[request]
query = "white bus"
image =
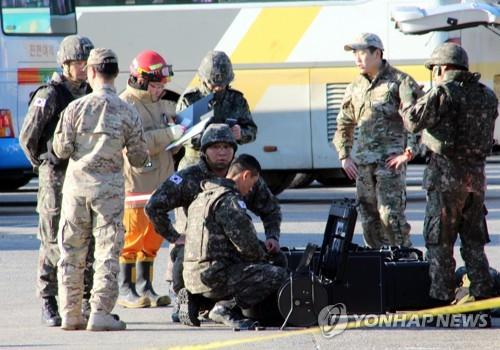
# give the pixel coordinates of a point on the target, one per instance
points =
(288, 57)
(31, 33)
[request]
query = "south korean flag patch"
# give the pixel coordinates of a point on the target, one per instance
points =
(39, 102)
(242, 205)
(176, 179)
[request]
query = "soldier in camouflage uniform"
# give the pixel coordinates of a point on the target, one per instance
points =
(36, 140)
(457, 117)
(371, 103)
(178, 191)
(95, 132)
(216, 73)
(223, 257)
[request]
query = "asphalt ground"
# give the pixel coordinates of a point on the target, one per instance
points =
(304, 218)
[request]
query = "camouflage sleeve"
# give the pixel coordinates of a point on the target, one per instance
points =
(170, 195)
(245, 121)
(412, 143)
(264, 204)
(426, 112)
(137, 151)
(63, 144)
(346, 124)
(40, 112)
(231, 215)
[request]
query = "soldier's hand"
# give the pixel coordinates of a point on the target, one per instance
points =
(272, 245)
(397, 161)
(236, 129)
(350, 168)
(177, 131)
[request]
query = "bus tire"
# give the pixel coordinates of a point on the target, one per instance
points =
(12, 184)
(333, 181)
(301, 180)
(277, 180)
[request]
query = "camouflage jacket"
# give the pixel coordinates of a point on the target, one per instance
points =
(227, 104)
(373, 106)
(180, 190)
(93, 132)
(219, 233)
(458, 119)
(43, 114)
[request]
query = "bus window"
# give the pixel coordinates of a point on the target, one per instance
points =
(42, 17)
(172, 2)
(30, 35)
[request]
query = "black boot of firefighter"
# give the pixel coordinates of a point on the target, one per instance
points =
(144, 284)
(128, 296)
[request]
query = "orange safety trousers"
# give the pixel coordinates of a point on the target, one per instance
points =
(141, 240)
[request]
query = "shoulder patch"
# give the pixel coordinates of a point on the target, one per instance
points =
(176, 179)
(242, 204)
(39, 102)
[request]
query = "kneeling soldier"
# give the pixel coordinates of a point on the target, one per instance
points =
(223, 257)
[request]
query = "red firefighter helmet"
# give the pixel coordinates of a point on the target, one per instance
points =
(150, 65)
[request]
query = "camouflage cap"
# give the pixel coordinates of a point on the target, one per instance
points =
(216, 68)
(215, 133)
(448, 53)
(364, 41)
(74, 48)
(100, 56)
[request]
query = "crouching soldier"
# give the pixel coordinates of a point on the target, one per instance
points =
(223, 257)
(218, 147)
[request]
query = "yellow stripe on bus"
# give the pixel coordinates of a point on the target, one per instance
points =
(274, 34)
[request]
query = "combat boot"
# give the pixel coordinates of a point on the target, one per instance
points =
(128, 296)
(220, 313)
(189, 308)
(74, 323)
(144, 285)
(86, 308)
(175, 313)
(102, 321)
(50, 314)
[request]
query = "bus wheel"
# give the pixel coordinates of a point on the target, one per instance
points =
(301, 180)
(278, 180)
(12, 184)
(334, 181)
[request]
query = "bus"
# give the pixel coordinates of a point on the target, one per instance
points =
(288, 58)
(30, 36)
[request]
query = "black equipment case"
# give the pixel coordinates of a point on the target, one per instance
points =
(365, 280)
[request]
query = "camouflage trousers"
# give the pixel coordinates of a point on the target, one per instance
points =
(247, 283)
(175, 266)
(449, 214)
(84, 218)
(381, 196)
(49, 199)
